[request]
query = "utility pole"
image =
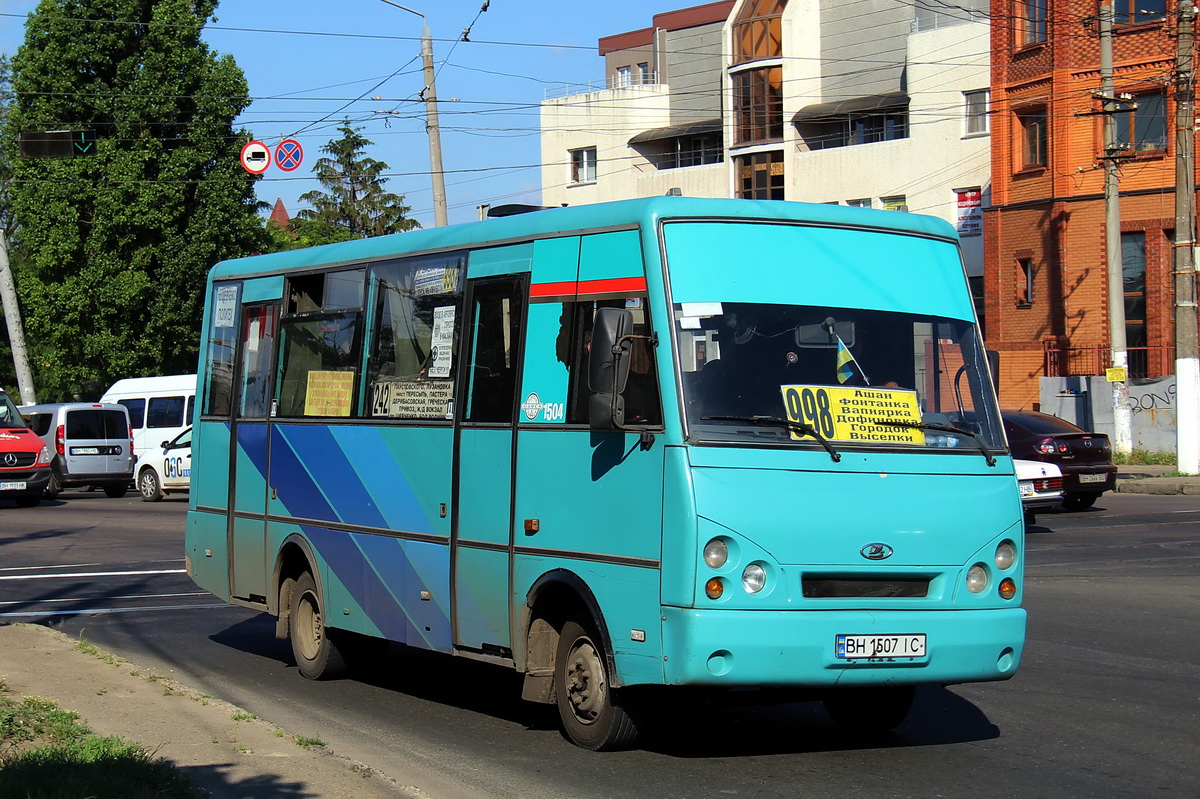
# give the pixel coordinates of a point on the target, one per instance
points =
(1187, 366)
(1122, 437)
(16, 332)
(432, 129)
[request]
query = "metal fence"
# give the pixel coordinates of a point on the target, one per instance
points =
(1144, 362)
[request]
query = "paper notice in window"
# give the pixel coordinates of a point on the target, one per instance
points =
(442, 342)
(329, 394)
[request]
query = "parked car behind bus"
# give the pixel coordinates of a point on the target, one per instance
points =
(1085, 458)
(165, 469)
(91, 442)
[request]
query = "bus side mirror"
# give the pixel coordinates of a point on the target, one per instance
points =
(608, 368)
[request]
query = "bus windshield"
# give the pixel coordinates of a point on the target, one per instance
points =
(797, 375)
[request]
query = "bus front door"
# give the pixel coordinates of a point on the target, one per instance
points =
(482, 537)
(249, 456)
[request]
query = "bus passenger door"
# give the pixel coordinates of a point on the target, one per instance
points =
(249, 452)
(482, 536)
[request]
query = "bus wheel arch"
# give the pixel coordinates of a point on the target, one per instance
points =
(554, 599)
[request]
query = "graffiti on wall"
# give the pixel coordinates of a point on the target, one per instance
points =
(1161, 400)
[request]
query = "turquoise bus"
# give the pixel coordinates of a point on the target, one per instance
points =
(620, 448)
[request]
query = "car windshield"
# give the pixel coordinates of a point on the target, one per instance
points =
(833, 377)
(10, 417)
(1041, 424)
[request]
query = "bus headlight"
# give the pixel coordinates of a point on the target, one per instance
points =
(716, 553)
(754, 577)
(977, 578)
(714, 588)
(1006, 555)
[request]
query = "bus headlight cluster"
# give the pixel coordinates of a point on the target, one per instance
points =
(979, 577)
(722, 555)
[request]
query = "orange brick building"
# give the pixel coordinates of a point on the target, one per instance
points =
(1045, 290)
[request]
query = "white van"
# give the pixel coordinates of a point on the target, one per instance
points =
(160, 408)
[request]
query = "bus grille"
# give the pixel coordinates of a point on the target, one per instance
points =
(864, 587)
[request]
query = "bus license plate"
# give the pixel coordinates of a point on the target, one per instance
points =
(855, 647)
(13, 486)
(1093, 478)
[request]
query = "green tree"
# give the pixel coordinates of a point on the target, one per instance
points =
(354, 199)
(116, 245)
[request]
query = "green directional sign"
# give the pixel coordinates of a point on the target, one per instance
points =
(57, 143)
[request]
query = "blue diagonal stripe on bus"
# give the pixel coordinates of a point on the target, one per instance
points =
(298, 491)
(383, 478)
(317, 450)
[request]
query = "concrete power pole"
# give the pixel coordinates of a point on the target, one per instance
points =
(16, 332)
(1187, 366)
(1122, 437)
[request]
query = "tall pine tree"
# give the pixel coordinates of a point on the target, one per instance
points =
(116, 245)
(355, 200)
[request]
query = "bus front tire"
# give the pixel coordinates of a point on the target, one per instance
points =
(317, 656)
(592, 717)
(870, 711)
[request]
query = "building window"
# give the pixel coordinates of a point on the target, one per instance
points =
(757, 33)
(864, 202)
(1144, 129)
(897, 203)
(643, 74)
(1131, 12)
(1034, 138)
(624, 77)
(1024, 282)
(583, 165)
(681, 151)
(1032, 18)
(976, 106)
(1133, 278)
(758, 105)
(857, 128)
(760, 176)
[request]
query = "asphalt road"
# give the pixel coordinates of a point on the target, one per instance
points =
(1105, 704)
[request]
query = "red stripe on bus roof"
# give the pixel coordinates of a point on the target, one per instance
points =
(608, 286)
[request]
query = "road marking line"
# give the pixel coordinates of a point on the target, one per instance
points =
(90, 574)
(110, 598)
(105, 611)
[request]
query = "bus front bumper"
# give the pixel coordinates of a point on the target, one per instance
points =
(800, 648)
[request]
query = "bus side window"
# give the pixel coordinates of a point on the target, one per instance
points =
(495, 333)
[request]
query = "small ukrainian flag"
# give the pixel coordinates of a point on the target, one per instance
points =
(847, 366)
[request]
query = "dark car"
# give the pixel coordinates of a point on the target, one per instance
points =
(1085, 458)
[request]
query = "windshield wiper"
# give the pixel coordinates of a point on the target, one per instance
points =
(800, 427)
(946, 428)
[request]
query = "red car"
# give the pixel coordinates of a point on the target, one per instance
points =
(24, 460)
(1085, 458)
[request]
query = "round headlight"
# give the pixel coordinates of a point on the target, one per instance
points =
(977, 579)
(714, 588)
(754, 577)
(1006, 555)
(716, 553)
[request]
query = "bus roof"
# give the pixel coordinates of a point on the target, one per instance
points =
(566, 220)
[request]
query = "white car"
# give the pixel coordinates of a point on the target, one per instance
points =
(166, 468)
(1041, 486)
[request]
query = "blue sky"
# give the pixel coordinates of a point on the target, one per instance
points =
(309, 61)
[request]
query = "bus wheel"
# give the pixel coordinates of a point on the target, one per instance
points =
(148, 486)
(587, 703)
(870, 711)
(316, 655)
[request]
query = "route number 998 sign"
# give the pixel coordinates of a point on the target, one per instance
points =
(854, 414)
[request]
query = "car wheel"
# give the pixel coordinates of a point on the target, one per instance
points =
(116, 491)
(588, 705)
(1079, 501)
(53, 488)
(148, 486)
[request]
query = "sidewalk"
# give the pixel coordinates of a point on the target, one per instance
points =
(230, 753)
(1150, 480)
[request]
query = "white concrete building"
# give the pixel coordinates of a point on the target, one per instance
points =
(864, 102)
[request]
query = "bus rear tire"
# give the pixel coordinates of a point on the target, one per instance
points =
(317, 656)
(870, 711)
(592, 717)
